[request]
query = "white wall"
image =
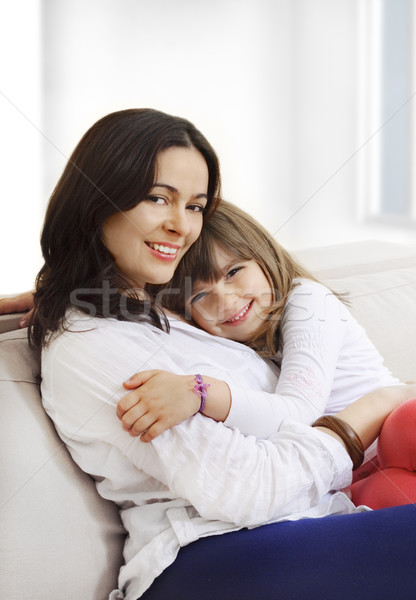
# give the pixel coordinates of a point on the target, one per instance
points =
(273, 84)
(20, 144)
(225, 65)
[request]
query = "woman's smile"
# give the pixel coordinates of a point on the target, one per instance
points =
(163, 250)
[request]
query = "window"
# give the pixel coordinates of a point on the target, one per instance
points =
(388, 110)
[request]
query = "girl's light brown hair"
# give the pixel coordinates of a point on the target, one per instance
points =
(238, 234)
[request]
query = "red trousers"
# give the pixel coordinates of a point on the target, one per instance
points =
(393, 480)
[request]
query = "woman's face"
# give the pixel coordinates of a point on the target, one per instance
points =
(235, 306)
(148, 241)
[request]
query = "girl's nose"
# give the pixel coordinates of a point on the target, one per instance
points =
(227, 302)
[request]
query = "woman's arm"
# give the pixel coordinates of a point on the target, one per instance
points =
(243, 480)
(223, 474)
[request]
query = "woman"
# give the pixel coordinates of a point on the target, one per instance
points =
(128, 205)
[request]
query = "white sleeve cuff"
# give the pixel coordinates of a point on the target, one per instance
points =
(340, 459)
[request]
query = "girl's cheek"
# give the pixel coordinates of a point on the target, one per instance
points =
(201, 320)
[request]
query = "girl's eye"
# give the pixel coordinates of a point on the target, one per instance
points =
(233, 271)
(197, 298)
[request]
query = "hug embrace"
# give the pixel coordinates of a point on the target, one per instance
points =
(207, 382)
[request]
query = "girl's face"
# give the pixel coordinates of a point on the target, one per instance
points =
(235, 306)
(148, 241)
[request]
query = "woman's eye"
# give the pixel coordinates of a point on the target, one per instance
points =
(156, 199)
(196, 208)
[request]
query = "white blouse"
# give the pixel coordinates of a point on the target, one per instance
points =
(198, 478)
(327, 362)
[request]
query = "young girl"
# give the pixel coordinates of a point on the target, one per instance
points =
(237, 282)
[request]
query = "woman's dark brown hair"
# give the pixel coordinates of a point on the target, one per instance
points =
(111, 169)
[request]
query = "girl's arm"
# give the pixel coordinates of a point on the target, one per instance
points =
(20, 303)
(313, 332)
(367, 414)
(315, 329)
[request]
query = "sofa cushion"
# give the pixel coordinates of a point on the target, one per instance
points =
(383, 300)
(380, 279)
(55, 528)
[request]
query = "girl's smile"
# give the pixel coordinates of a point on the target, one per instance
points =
(241, 316)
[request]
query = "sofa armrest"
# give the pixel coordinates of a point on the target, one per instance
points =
(59, 538)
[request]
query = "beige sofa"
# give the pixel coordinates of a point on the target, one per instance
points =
(59, 539)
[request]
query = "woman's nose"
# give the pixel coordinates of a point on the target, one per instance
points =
(178, 221)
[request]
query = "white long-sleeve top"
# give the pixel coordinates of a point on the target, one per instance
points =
(199, 478)
(327, 362)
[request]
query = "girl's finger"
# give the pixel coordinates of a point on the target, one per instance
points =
(153, 431)
(139, 379)
(142, 424)
(127, 402)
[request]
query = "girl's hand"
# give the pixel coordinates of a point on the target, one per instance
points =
(367, 414)
(159, 401)
(19, 303)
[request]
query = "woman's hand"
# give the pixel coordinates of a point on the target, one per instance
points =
(20, 303)
(160, 399)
